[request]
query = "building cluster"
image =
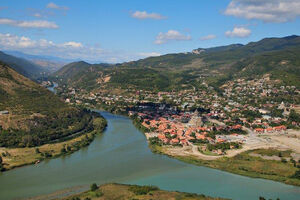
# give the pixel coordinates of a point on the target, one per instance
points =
(185, 117)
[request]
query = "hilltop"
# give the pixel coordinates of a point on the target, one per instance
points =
(274, 56)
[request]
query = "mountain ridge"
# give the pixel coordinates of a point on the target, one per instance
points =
(175, 71)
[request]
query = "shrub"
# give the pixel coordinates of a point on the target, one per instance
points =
(140, 190)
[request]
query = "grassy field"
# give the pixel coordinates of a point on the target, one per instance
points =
(247, 165)
(17, 157)
(272, 152)
(126, 192)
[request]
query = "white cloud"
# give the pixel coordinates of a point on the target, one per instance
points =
(69, 50)
(73, 44)
(163, 38)
(238, 32)
(29, 24)
(145, 15)
(38, 15)
(208, 37)
(7, 21)
(37, 24)
(265, 10)
(52, 5)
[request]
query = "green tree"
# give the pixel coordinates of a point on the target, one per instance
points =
(294, 162)
(1, 166)
(283, 160)
(294, 117)
(94, 187)
(37, 150)
(296, 175)
(63, 150)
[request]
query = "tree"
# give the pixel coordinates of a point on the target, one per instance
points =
(94, 187)
(296, 175)
(63, 150)
(1, 166)
(294, 117)
(294, 162)
(37, 150)
(283, 160)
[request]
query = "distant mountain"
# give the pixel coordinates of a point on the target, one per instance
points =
(39, 57)
(24, 67)
(50, 63)
(35, 115)
(275, 56)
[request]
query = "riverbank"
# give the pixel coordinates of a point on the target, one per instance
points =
(18, 157)
(281, 169)
(243, 164)
(121, 191)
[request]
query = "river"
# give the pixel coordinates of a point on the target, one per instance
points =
(121, 155)
(52, 88)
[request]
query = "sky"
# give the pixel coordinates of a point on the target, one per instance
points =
(119, 30)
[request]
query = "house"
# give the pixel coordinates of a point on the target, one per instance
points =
(184, 142)
(259, 130)
(4, 112)
(174, 141)
(269, 130)
(280, 128)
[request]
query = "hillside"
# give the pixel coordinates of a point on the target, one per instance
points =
(33, 115)
(70, 70)
(276, 56)
(23, 66)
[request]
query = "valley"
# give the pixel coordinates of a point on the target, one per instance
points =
(233, 108)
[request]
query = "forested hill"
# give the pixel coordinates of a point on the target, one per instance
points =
(23, 66)
(31, 115)
(275, 56)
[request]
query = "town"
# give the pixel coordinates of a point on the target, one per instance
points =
(243, 115)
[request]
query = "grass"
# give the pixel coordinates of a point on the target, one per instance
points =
(209, 153)
(120, 191)
(272, 152)
(246, 165)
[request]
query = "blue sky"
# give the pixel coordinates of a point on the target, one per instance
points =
(119, 30)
